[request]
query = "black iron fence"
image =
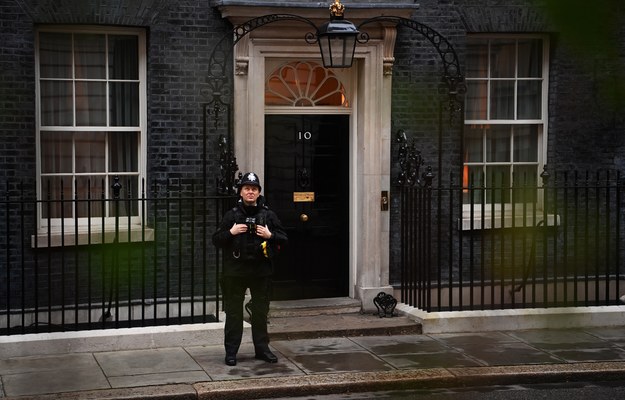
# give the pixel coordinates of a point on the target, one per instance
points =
(94, 261)
(495, 243)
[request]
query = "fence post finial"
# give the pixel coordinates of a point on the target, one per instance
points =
(117, 187)
(545, 175)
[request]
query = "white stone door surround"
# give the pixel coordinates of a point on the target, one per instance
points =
(369, 83)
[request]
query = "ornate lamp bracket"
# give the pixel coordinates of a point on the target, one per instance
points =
(410, 162)
(226, 184)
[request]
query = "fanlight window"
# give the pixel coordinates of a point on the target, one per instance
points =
(304, 84)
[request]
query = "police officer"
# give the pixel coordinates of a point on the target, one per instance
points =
(249, 233)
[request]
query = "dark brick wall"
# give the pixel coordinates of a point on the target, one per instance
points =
(180, 43)
(17, 96)
(586, 124)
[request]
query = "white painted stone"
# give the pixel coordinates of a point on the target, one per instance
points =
(116, 339)
(517, 319)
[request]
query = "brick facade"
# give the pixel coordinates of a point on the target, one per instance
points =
(585, 131)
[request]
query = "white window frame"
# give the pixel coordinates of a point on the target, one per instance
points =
(491, 217)
(91, 230)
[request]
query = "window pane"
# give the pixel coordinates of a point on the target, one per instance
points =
(55, 55)
(304, 84)
(502, 59)
(498, 182)
(525, 175)
(530, 58)
(90, 148)
(90, 103)
(529, 99)
(526, 143)
(123, 151)
(123, 57)
(477, 58)
(277, 93)
(502, 100)
(476, 99)
(525, 182)
(89, 190)
(56, 103)
(58, 190)
(329, 93)
(90, 50)
(124, 103)
(56, 152)
(473, 184)
(473, 141)
(498, 143)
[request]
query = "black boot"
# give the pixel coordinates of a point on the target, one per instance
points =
(231, 359)
(267, 356)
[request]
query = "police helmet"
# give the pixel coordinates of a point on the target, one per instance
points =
(249, 178)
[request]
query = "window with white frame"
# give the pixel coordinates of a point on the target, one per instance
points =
(505, 118)
(91, 122)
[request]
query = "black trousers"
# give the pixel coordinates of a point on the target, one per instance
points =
(234, 294)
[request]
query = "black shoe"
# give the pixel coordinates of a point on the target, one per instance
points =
(267, 356)
(231, 360)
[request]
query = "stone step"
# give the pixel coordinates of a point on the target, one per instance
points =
(340, 325)
(332, 317)
(314, 307)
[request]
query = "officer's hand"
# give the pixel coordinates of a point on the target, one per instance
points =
(263, 232)
(237, 229)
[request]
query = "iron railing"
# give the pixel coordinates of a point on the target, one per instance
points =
(129, 260)
(494, 246)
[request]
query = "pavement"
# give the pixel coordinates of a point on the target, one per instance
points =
(319, 354)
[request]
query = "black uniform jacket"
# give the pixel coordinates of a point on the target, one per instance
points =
(245, 254)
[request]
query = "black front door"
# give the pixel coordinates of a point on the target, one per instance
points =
(307, 184)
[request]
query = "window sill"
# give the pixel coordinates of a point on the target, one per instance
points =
(135, 234)
(506, 221)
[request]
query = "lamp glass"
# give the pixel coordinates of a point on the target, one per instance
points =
(337, 43)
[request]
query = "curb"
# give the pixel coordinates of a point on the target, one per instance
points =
(360, 382)
(336, 383)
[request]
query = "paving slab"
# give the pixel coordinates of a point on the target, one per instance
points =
(62, 379)
(291, 348)
(44, 363)
(357, 361)
(411, 351)
(430, 360)
(404, 344)
(211, 359)
(463, 341)
(129, 381)
(614, 335)
(560, 339)
(151, 361)
(511, 354)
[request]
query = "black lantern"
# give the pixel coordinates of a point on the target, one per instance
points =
(337, 39)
